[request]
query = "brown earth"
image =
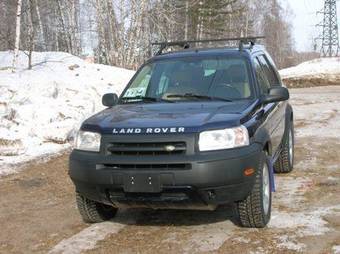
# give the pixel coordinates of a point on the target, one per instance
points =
(310, 81)
(37, 207)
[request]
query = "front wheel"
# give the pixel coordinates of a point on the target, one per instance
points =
(92, 211)
(255, 210)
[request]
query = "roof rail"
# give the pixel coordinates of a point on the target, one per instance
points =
(186, 44)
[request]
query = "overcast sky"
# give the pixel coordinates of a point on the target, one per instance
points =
(304, 20)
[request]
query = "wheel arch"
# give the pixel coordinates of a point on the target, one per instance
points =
(263, 138)
(267, 148)
(289, 113)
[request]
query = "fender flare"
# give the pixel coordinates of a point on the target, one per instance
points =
(262, 137)
(289, 116)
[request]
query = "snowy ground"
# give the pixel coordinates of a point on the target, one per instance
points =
(40, 109)
(317, 72)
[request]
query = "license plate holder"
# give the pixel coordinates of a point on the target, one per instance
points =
(142, 182)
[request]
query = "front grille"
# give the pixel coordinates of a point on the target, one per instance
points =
(153, 149)
(177, 166)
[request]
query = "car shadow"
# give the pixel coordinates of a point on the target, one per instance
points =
(150, 217)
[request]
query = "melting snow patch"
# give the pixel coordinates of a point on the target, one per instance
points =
(259, 250)
(86, 239)
(284, 242)
(309, 223)
(209, 237)
(336, 249)
(242, 240)
(291, 190)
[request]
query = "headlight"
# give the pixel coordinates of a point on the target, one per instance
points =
(88, 141)
(223, 139)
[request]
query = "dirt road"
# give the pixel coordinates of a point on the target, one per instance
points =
(38, 212)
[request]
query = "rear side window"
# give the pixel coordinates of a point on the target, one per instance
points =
(269, 72)
(261, 77)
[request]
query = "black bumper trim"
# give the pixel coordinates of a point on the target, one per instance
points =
(214, 178)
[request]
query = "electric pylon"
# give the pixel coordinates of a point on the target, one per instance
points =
(330, 34)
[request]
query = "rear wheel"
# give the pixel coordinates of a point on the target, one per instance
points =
(285, 161)
(255, 210)
(94, 212)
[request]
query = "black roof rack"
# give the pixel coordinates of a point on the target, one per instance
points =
(186, 44)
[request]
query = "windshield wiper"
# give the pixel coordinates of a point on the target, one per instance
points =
(144, 98)
(197, 96)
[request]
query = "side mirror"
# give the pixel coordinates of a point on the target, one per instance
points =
(110, 99)
(276, 94)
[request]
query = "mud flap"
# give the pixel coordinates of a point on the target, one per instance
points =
(271, 173)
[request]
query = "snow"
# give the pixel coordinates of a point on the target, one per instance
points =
(336, 249)
(291, 190)
(87, 238)
(285, 242)
(303, 223)
(209, 238)
(321, 67)
(41, 109)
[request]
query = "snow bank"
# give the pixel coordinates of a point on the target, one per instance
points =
(321, 71)
(41, 109)
(320, 66)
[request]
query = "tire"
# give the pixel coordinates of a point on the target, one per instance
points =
(285, 161)
(255, 210)
(94, 212)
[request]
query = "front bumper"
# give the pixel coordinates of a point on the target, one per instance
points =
(212, 178)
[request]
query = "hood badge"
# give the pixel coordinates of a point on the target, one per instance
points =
(162, 130)
(169, 148)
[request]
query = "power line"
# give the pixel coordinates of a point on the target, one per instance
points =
(330, 34)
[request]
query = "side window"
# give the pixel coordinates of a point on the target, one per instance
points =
(269, 72)
(261, 77)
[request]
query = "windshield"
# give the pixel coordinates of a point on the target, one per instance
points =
(219, 78)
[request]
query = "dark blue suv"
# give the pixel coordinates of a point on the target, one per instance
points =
(193, 129)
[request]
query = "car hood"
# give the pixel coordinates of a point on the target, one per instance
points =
(192, 116)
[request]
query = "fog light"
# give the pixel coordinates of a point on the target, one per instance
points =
(249, 171)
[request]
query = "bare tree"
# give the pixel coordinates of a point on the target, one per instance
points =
(31, 31)
(41, 29)
(120, 32)
(66, 35)
(17, 35)
(277, 31)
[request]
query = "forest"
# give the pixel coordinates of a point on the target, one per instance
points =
(120, 32)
